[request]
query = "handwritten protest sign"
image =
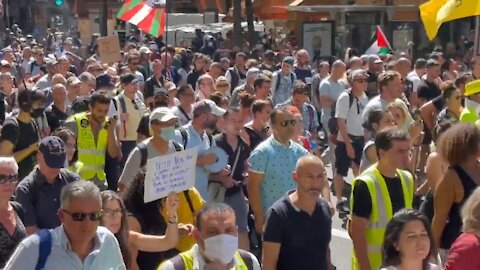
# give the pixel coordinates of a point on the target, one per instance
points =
(174, 172)
(109, 49)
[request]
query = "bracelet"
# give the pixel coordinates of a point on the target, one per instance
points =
(173, 220)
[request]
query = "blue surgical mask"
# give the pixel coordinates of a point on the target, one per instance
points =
(167, 133)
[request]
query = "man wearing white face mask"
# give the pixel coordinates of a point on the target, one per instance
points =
(162, 126)
(216, 235)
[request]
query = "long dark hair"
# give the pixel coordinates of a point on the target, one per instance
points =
(391, 256)
(147, 214)
(122, 234)
(64, 133)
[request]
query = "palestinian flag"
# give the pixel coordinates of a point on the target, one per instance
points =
(147, 15)
(381, 45)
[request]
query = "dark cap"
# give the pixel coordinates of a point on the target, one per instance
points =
(289, 60)
(104, 81)
(53, 151)
(160, 91)
(128, 78)
(431, 63)
(269, 55)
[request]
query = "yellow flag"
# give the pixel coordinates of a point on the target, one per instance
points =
(436, 12)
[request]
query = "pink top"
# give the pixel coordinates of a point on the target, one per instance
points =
(464, 253)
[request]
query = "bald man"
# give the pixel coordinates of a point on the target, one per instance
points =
(404, 67)
(297, 229)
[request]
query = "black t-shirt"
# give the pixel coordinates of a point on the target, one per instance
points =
(428, 90)
(438, 103)
(55, 117)
(151, 84)
(221, 141)
(255, 138)
(21, 135)
(143, 126)
(304, 239)
(372, 88)
(362, 207)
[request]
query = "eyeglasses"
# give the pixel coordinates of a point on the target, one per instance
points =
(285, 123)
(12, 179)
(135, 106)
(95, 216)
(111, 213)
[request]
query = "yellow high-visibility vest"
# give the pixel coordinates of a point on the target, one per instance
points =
(381, 211)
(90, 154)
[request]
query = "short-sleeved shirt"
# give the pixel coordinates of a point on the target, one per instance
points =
(428, 90)
(362, 201)
(105, 253)
(132, 165)
(464, 253)
(40, 199)
(304, 238)
(55, 117)
(183, 117)
(415, 79)
(351, 114)
(135, 109)
(22, 135)
(238, 173)
(331, 89)
(276, 162)
(203, 143)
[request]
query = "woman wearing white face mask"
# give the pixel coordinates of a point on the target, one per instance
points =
(216, 235)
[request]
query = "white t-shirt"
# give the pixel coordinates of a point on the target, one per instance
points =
(415, 79)
(352, 114)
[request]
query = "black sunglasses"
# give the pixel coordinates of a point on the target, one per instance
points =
(12, 178)
(95, 216)
(285, 123)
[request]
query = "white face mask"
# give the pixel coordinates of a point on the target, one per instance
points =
(221, 247)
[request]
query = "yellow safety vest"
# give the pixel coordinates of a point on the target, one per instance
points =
(188, 256)
(90, 154)
(381, 211)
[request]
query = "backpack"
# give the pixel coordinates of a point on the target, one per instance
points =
(143, 161)
(277, 85)
(332, 122)
(184, 133)
(44, 248)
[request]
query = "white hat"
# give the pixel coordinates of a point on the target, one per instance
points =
(144, 50)
(162, 114)
(206, 106)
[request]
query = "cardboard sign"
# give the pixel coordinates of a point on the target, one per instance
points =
(173, 172)
(109, 49)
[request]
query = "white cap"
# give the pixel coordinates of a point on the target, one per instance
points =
(206, 106)
(162, 114)
(144, 50)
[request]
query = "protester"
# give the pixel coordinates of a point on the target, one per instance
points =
(79, 242)
(408, 242)
(12, 230)
(216, 235)
(290, 242)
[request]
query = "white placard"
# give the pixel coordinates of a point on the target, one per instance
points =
(173, 172)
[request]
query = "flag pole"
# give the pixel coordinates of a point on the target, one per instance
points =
(166, 21)
(477, 36)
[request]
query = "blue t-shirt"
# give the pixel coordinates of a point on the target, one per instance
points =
(277, 163)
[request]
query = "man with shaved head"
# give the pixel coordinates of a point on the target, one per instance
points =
(297, 229)
(404, 66)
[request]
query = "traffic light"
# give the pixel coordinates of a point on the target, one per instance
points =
(59, 3)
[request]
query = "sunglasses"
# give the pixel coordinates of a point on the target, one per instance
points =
(12, 178)
(285, 123)
(95, 216)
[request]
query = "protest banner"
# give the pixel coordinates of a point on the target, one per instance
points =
(173, 172)
(109, 49)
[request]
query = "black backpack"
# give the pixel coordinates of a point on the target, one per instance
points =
(332, 122)
(143, 161)
(277, 85)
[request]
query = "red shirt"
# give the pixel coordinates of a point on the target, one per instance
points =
(464, 253)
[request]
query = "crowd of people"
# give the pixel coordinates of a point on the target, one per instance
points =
(76, 135)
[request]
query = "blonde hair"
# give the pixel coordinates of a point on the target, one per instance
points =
(398, 104)
(471, 212)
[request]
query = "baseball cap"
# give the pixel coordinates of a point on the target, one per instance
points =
(128, 78)
(162, 114)
(4, 63)
(253, 72)
(73, 80)
(104, 81)
(269, 55)
(50, 61)
(160, 91)
(206, 106)
(358, 73)
(472, 88)
(373, 58)
(53, 151)
(289, 60)
(144, 50)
